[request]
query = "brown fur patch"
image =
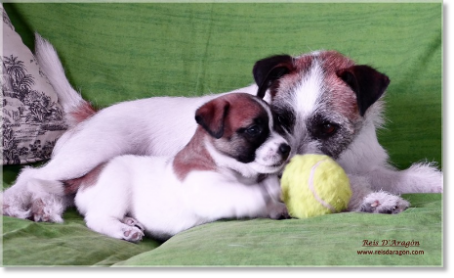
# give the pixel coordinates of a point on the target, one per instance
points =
(219, 125)
(193, 157)
(334, 61)
(84, 111)
(89, 179)
(340, 96)
(243, 109)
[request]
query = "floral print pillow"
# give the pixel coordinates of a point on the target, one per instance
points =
(32, 119)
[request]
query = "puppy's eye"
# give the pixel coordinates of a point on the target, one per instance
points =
(254, 130)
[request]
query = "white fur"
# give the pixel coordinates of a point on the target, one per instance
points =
(307, 96)
(146, 189)
(306, 99)
(162, 126)
(55, 72)
(134, 194)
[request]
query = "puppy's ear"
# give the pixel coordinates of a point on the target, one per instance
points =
(211, 116)
(268, 70)
(368, 84)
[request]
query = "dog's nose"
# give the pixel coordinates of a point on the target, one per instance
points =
(284, 150)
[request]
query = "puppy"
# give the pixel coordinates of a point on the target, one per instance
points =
(324, 101)
(227, 170)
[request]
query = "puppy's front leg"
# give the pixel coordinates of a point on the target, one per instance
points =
(222, 199)
(276, 209)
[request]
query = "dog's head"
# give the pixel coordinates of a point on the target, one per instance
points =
(241, 134)
(322, 99)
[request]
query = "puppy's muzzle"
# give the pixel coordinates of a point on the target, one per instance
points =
(284, 150)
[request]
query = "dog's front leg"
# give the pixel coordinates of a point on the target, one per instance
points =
(419, 178)
(364, 199)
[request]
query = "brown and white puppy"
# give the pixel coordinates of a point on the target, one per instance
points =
(325, 102)
(227, 170)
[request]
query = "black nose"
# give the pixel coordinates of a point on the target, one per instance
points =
(284, 150)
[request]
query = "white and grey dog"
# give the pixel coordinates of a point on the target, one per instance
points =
(325, 103)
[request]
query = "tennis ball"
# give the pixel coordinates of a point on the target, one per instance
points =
(314, 185)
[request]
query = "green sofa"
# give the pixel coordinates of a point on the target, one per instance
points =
(118, 52)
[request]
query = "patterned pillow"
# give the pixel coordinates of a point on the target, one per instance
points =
(32, 118)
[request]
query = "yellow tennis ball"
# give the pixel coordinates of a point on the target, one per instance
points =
(314, 185)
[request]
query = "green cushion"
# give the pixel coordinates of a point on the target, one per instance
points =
(331, 240)
(117, 52)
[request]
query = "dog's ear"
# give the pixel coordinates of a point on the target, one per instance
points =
(268, 70)
(211, 116)
(368, 84)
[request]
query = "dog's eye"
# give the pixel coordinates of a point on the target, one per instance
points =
(254, 130)
(325, 130)
(328, 128)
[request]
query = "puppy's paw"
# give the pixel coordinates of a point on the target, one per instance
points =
(132, 234)
(136, 231)
(277, 210)
(383, 202)
(132, 222)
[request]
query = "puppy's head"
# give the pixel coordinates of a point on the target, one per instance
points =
(241, 134)
(322, 99)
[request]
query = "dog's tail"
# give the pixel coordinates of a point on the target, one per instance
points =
(75, 107)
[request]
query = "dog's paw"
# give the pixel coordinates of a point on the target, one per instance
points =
(15, 205)
(42, 212)
(34, 199)
(47, 208)
(383, 202)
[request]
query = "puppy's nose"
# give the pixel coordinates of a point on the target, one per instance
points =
(284, 150)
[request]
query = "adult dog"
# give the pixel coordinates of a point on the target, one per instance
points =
(325, 103)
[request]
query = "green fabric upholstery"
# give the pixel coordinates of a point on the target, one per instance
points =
(117, 52)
